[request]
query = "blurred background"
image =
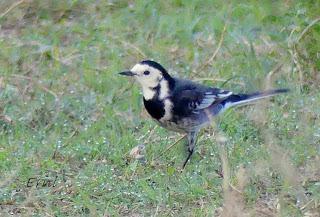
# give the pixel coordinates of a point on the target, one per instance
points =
(68, 122)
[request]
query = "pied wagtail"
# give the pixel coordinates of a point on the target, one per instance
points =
(182, 105)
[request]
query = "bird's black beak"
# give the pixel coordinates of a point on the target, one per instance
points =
(127, 73)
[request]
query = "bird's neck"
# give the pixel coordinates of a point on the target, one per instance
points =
(159, 92)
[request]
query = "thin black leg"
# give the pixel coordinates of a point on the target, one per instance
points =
(189, 156)
(192, 136)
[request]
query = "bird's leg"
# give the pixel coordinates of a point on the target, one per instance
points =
(192, 136)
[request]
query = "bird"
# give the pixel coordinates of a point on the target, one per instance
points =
(182, 105)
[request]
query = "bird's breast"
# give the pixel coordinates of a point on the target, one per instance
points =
(155, 108)
(161, 110)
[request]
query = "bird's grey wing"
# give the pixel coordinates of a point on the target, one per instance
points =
(210, 96)
(195, 98)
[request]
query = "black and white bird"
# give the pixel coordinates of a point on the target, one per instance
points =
(182, 105)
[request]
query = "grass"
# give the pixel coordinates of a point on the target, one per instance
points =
(66, 115)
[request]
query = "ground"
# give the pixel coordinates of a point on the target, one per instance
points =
(68, 122)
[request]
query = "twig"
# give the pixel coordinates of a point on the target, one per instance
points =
(219, 79)
(169, 147)
(6, 119)
(225, 168)
(69, 137)
(156, 212)
(49, 91)
(235, 189)
(294, 55)
(38, 84)
(150, 134)
(14, 5)
(307, 204)
(143, 55)
(271, 73)
(292, 51)
(21, 77)
(307, 28)
(57, 100)
(122, 91)
(219, 45)
(217, 49)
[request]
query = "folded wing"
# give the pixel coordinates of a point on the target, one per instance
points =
(193, 99)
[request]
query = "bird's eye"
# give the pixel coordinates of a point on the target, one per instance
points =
(146, 72)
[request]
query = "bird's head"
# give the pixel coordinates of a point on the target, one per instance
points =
(150, 75)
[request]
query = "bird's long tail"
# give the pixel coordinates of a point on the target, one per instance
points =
(244, 99)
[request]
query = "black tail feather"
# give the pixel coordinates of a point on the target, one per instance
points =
(242, 99)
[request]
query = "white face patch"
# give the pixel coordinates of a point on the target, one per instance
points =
(148, 77)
